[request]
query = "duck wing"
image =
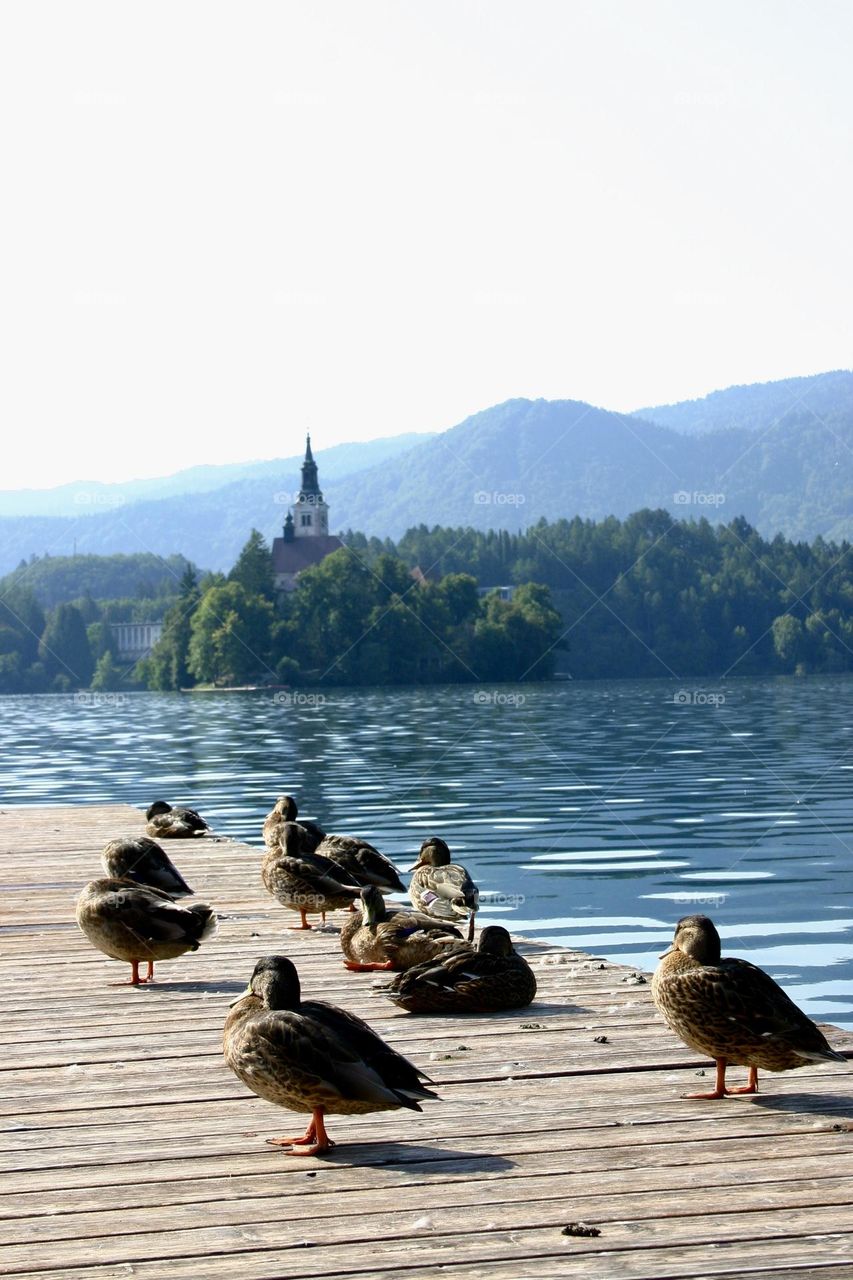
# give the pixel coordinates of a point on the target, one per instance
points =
(747, 1002)
(153, 915)
(154, 867)
(321, 1047)
(396, 1072)
(363, 861)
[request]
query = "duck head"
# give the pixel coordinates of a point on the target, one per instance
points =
(697, 937)
(158, 807)
(433, 853)
(495, 941)
(275, 983)
(372, 905)
(285, 806)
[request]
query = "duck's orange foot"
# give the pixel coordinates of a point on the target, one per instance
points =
(313, 1142)
(367, 968)
(714, 1095)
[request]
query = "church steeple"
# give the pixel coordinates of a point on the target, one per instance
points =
(310, 512)
(310, 481)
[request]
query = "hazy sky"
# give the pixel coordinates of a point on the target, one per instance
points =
(227, 223)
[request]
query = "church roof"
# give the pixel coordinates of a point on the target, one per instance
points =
(310, 481)
(302, 553)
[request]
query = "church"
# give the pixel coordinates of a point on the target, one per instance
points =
(305, 539)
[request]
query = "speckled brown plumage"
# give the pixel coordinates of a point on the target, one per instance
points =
(730, 1010)
(310, 1056)
(441, 888)
(304, 882)
(383, 937)
(491, 978)
(136, 923)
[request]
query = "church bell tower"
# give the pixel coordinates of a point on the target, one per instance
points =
(310, 512)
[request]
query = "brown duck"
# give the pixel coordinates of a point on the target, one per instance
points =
(732, 1011)
(313, 1057)
(463, 980)
(385, 937)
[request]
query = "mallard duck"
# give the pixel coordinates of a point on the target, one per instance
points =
(441, 888)
(143, 861)
(730, 1010)
(313, 1057)
(463, 980)
(168, 822)
(283, 811)
(363, 863)
(392, 938)
(302, 881)
(135, 922)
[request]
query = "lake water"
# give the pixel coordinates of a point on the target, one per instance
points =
(590, 814)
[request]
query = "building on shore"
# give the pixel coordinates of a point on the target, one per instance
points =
(135, 640)
(305, 539)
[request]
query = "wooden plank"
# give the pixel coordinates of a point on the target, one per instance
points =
(127, 1147)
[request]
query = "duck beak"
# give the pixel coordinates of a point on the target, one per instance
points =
(663, 955)
(416, 867)
(241, 996)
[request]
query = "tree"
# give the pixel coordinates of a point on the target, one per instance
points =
(64, 649)
(253, 568)
(108, 675)
(230, 636)
(167, 666)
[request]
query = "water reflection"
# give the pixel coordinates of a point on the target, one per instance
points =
(593, 803)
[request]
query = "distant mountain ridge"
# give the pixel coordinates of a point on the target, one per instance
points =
(756, 406)
(82, 497)
(787, 470)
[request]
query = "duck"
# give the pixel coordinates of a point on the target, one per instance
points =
(285, 810)
(314, 1057)
(732, 1011)
(465, 980)
(441, 888)
(142, 860)
(171, 822)
(392, 938)
(363, 862)
(304, 882)
(136, 922)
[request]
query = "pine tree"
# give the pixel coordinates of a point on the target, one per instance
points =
(64, 649)
(253, 569)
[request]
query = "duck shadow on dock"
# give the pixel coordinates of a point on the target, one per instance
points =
(227, 987)
(405, 1154)
(829, 1106)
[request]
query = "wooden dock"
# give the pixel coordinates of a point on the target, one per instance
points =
(129, 1149)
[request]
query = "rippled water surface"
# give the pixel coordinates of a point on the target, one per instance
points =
(596, 814)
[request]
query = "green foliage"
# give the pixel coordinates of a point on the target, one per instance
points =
(348, 623)
(64, 650)
(167, 666)
(62, 579)
(108, 675)
(230, 636)
(651, 595)
(253, 569)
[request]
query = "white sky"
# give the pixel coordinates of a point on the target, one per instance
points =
(225, 223)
